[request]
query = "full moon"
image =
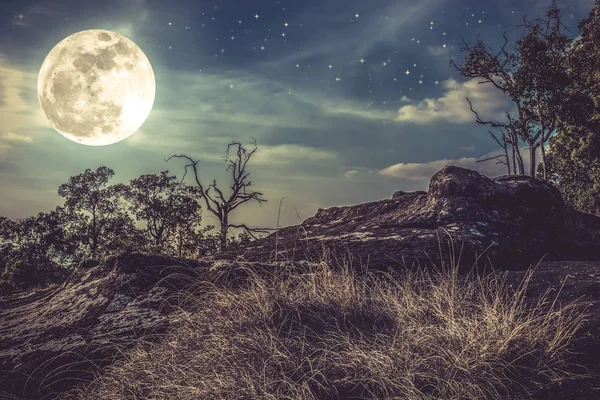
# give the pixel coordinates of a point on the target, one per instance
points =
(96, 87)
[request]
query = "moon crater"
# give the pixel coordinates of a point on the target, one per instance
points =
(96, 87)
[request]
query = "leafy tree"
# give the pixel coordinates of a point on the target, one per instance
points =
(221, 205)
(169, 208)
(574, 159)
(101, 218)
(37, 249)
(534, 76)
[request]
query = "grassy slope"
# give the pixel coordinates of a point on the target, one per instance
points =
(333, 334)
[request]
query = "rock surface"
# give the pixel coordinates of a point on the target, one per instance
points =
(512, 220)
(52, 339)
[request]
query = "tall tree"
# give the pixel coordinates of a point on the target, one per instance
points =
(99, 207)
(574, 159)
(168, 208)
(533, 76)
(221, 205)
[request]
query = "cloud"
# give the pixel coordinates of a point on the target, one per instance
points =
(19, 113)
(12, 137)
(385, 24)
(440, 50)
(350, 174)
(424, 171)
(291, 154)
(452, 107)
(405, 99)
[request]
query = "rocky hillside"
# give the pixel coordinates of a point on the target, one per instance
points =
(53, 339)
(511, 220)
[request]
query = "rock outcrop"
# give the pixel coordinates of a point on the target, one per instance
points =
(55, 338)
(510, 220)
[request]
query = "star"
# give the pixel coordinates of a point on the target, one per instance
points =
(479, 21)
(431, 23)
(407, 72)
(384, 64)
(415, 65)
(330, 66)
(20, 16)
(362, 61)
(420, 82)
(256, 16)
(338, 79)
(413, 39)
(283, 35)
(444, 33)
(356, 15)
(170, 24)
(239, 21)
(262, 47)
(444, 46)
(231, 86)
(436, 82)
(222, 50)
(418, 41)
(286, 24)
(170, 47)
(233, 38)
(297, 65)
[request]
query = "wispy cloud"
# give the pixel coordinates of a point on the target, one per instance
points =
(12, 137)
(384, 25)
(291, 154)
(487, 100)
(19, 112)
(440, 50)
(422, 172)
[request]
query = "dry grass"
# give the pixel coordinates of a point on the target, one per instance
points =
(335, 334)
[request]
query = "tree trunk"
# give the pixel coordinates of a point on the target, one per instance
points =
(532, 149)
(94, 237)
(223, 234)
(544, 158)
(520, 164)
(507, 158)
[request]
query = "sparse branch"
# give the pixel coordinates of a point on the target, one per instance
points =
(251, 231)
(219, 204)
(482, 122)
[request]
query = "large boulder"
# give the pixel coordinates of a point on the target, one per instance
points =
(508, 220)
(54, 338)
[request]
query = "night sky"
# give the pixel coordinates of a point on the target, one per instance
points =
(349, 100)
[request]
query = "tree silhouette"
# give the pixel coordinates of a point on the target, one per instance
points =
(168, 207)
(534, 76)
(35, 250)
(217, 203)
(99, 209)
(574, 156)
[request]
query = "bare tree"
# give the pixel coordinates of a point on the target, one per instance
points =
(216, 201)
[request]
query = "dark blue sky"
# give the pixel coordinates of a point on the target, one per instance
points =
(349, 100)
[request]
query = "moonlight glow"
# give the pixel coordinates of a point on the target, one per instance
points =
(96, 87)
